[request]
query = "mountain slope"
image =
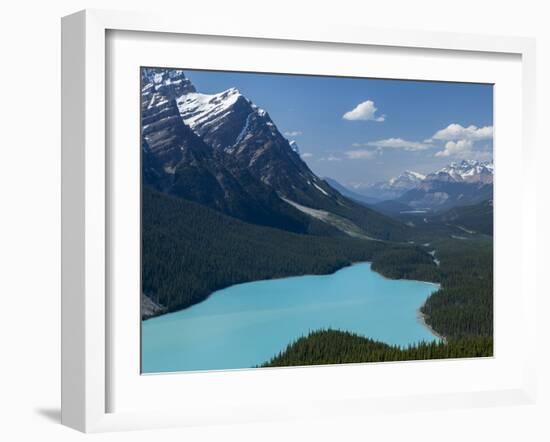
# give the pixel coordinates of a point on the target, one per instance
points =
(441, 195)
(226, 153)
(177, 161)
(190, 250)
(245, 138)
(475, 218)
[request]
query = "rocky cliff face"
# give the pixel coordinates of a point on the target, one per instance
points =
(223, 151)
(245, 138)
(176, 160)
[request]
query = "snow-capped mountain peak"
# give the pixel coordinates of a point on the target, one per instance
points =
(416, 175)
(165, 84)
(468, 171)
(225, 119)
(407, 180)
(392, 188)
(231, 146)
(294, 146)
(197, 109)
(463, 172)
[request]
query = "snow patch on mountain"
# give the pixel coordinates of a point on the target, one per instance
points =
(392, 188)
(244, 130)
(196, 108)
(160, 85)
(339, 222)
(406, 180)
(416, 175)
(320, 189)
(466, 171)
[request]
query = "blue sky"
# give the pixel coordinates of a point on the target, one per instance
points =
(367, 130)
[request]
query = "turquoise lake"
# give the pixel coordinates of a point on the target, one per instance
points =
(247, 324)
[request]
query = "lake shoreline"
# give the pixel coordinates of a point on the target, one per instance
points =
(159, 314)
(422, 319)
(257, 320)
(247, 282)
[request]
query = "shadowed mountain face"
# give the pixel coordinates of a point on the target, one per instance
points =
(439, 195)
(223, 151)
(475, 218)
(244, 137)
(176, 160)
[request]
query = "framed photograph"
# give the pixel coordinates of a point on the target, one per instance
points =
(265, 223)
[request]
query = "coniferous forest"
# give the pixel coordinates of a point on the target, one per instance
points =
(229, 198)
(189, 251)
(339, 347)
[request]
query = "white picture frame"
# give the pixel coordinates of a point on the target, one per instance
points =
(86, 205)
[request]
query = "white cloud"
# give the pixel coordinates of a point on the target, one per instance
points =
(454, 132)
(330, 157)
(464, 149)
(365, 111)
(306, 155)
(460, 141)
(293, 133)
(399, 143)
(460, 148)
(361, 154)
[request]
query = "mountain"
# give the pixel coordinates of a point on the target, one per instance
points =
(458, 184)
(177, 161)
(392, 188)
(467, 171)
(472, 219)
(294, 146)
(349, 193)
(223, 151)
(244, 137)
(440, 195)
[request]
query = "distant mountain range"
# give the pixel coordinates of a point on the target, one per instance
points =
(467, 171)
(392, 188)
(458, 184)
(223, 151)
(356, 196)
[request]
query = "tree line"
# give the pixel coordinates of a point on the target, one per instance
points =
(341, 347)
(189, 251)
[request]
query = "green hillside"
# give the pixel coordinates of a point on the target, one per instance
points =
(476, 218)
(189, 251)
